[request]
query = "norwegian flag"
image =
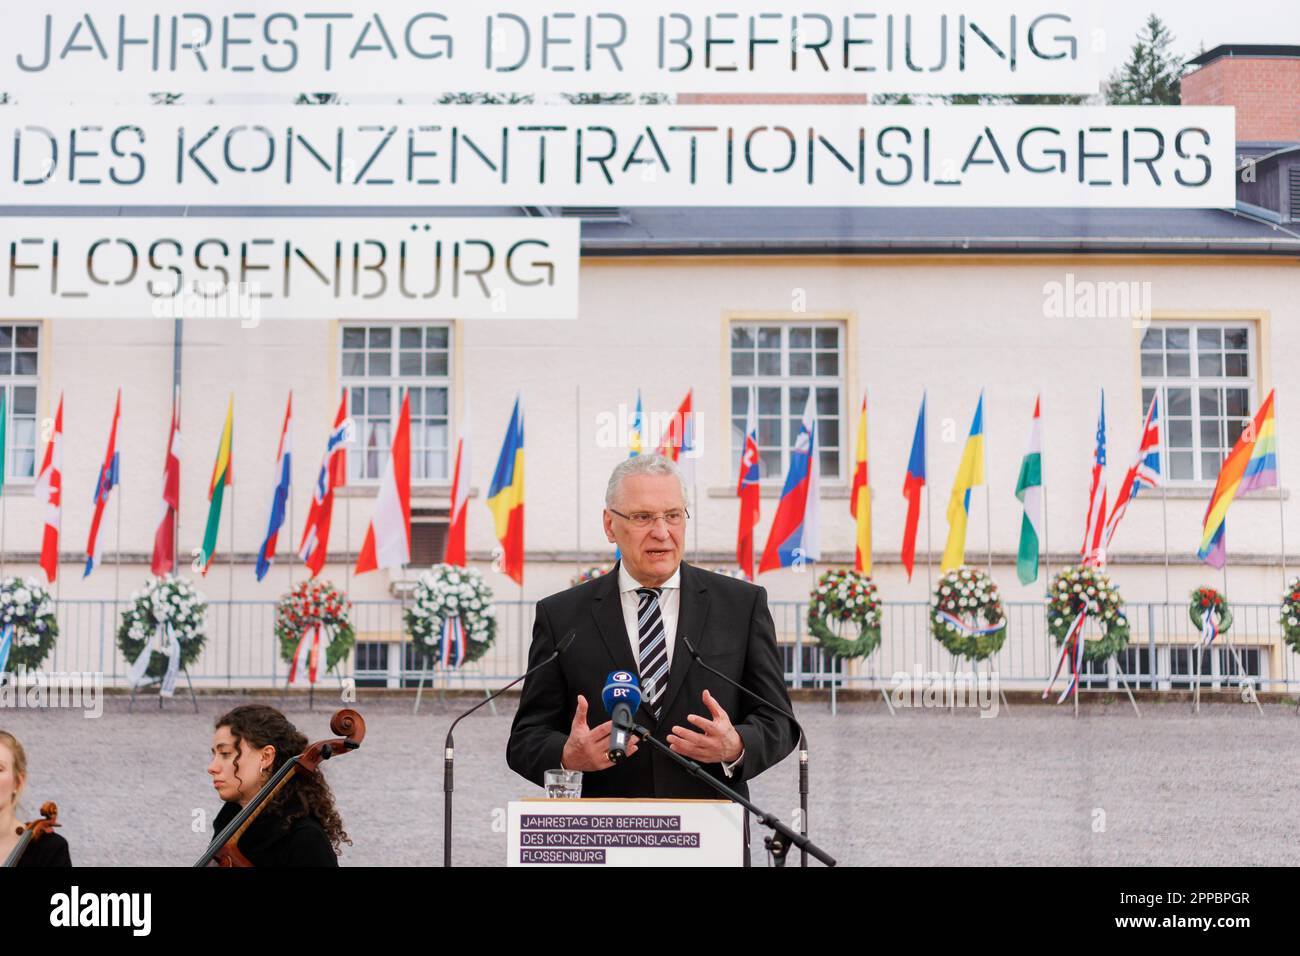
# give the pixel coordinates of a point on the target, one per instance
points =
(1093, 552)
(333, 474)
(106, 481)
(747, 490)
(49, 488)
(1145, 472)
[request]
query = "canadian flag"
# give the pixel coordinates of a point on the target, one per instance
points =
(455, 551)
(49, 488)
(388, 539)
(164, 539)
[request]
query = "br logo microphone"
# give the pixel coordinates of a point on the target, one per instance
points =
(621, 697)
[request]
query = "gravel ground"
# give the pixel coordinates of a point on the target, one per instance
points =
(1033, 786)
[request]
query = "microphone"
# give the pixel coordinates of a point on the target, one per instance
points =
(621, 697)
(449, 746)
(803, 737)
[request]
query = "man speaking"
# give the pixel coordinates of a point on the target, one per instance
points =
(639, 618)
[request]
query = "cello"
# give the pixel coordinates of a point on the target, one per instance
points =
(33, 831)
(224, 850)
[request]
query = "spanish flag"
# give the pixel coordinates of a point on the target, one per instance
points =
(860, 498)
(506, 496)
(217, 488)
(970, 472)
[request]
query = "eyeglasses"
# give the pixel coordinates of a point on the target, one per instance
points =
(644, 519)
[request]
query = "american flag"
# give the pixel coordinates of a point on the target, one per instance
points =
(1092, 551)
(1145, 471)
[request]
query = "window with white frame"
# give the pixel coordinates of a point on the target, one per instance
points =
(379, 364)
(19, 364)
(774, 365)
(1205, 376)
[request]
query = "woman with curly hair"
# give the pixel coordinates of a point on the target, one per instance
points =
(300, 825)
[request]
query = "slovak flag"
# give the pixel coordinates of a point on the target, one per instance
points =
(333, 474)
(106, 481)
(280, 496)
(747, 490)
(49, 488)
(794, 539)
(388, 539)
(454, 552)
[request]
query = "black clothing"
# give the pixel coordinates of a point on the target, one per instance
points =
(49, 850)
(267, 842)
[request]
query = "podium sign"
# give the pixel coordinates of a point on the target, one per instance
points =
(625, 833)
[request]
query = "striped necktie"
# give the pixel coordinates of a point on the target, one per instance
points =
(652, 659)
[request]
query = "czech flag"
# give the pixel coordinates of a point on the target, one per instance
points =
(794, 539)
(506, 497)
(912, 486)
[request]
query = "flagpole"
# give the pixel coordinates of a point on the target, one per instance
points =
(1281, 510)
(230, 584)
(929, 548)
(1042, 490)
(577, 483)
(4, 500)
(117, 564)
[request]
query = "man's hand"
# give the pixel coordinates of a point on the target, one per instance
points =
(587, 749)
(718, 743)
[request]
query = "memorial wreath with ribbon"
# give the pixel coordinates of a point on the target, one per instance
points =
(1076, 595)
(966, 615)
(840, 599)
(28, 627)
(161, 632)
(313, 617)
(1291, 614)
(1210, 613)
(452, 618)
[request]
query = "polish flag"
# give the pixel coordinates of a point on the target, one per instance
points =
(455, 551)
(49, 488)
(388, 539)
(164, 539)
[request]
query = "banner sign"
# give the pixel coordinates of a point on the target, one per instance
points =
(407, 47)
(706, 155)
(249, 269)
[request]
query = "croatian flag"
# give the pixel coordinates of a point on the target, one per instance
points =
(793, 540)
(280, 496)
(106, 481)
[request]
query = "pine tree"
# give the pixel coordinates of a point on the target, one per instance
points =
(1152, 75)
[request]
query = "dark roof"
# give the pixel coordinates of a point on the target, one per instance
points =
(718, 231)
(1247, 50)
(673, 230)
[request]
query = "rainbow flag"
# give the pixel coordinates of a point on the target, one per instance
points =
(506, 497)
(1251, 465)
(217, 489)
(970, 472)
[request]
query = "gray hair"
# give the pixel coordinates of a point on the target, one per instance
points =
(642, 465)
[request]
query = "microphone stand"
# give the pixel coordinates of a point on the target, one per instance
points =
(449, 746)
(783, 837)
(803, 740)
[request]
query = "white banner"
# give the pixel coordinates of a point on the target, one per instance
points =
(625, 833)
(249, 269)
(420, 48)
(740, 156)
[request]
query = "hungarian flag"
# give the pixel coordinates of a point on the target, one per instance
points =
(1029, 489)
(506, 497)
(748, 491)
(860, 499)
(217, 489)
(164, 538)
(49, 489)
(388, 539)
(104, 484)
(455, 550)
(333, 474)
(912, 485)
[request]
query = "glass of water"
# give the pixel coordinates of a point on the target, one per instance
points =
(564, 784)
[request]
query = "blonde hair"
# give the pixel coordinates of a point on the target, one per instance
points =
(20, 759)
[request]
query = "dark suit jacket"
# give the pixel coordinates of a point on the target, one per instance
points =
(728, 623)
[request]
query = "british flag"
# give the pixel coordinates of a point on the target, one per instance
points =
(1145, 472)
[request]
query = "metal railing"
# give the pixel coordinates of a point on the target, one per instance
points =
(241, 650)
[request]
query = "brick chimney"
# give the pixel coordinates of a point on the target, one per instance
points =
(1262, 81)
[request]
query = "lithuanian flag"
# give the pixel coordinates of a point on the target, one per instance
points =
(217, 489)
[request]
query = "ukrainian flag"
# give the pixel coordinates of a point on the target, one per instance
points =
(969, 474)
(506, 496)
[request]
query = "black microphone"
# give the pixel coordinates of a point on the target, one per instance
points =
(803, 738)
(621, 697)
(449, 747)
